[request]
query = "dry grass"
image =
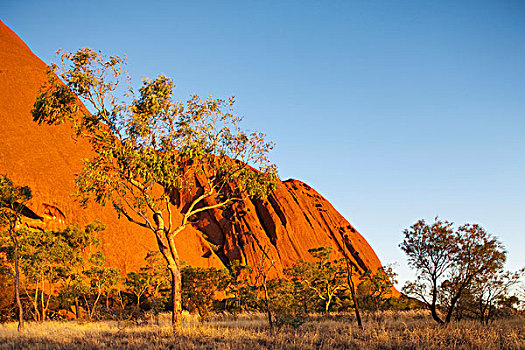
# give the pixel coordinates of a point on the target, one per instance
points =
(390, 330)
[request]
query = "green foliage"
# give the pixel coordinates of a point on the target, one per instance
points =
(43, 254)
(241, 294)
(291, 301)
(200, 288)
(375, 289)
(103, 279)
(12, 204)
(12, 199)
(152, 139)
(150, 283)
(152, 151)
(325, 277)
(158, 292)
(54, 266)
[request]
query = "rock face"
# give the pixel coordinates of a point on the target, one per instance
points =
(291, 220)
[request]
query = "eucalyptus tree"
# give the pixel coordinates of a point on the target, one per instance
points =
(154, 155)
(12, 204)
(46, 260)
(376, 289)
(200, 286)
(324, 276)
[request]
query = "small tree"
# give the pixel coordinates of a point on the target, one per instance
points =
(154, 156)
(46, 260)
(239, 288)
(489, 289)
(12, 203)
(159, 282)
(377, 287)
(138, 283)
(199, 288)
(83, 243)
(102, 280)
(325, 277)
(448, 262)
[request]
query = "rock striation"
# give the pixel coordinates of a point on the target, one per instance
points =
(291, 220)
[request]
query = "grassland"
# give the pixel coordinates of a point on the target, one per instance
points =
(389, 330)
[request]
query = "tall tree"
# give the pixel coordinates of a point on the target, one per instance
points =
(12, 204)
(448, 261)
(153, 155)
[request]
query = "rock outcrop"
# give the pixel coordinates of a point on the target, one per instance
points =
(291, 220)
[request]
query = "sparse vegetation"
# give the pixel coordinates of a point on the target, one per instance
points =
(154, 156)
(392, 330)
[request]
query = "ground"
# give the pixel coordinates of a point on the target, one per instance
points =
(389, 330)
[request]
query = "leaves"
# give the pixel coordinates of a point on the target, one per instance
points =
(151, 141)
(325, 277)
(150, 151)
(12, 200)
(449, 261)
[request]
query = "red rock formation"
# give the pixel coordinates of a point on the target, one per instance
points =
(290, 221)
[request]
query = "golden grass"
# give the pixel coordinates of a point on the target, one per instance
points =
(389, 330)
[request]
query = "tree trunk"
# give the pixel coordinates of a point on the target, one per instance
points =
(42, 300)
(48, 299)
(327, 304)
(268, 310)
(17, 285)
(432, 306)
(452, 305)
(435, 316)
(176, 287)
(166, 243)
(349, 274)
(349, 271)
(76, 308)
(35, 303)
(95, 304)
(87, 307)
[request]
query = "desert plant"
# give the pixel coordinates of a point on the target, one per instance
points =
(325, 277)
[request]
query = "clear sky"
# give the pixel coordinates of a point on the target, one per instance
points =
(392, 110)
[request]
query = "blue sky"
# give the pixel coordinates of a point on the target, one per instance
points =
(392, 110)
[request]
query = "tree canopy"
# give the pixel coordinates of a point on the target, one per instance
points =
(448, 261)
(154, 155)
